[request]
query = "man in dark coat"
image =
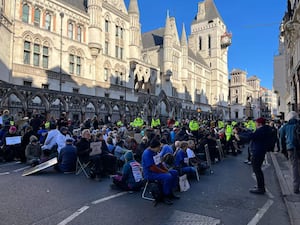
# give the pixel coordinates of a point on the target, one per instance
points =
(259, 144)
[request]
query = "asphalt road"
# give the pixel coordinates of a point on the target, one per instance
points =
(49, 198)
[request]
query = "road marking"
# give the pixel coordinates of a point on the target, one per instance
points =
(23, 168)
(255, 220)
(108, 198)
(74, 215)
(5, 173)
(9, 163)
(84, 208)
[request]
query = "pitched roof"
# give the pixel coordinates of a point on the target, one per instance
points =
(153, 38)
(156, 38)
(78, 4)
(211, 12)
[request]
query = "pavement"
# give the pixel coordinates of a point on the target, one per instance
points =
(284, 174)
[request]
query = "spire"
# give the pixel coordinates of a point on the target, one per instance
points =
(183, 36)
(133, 7)
(168, 30)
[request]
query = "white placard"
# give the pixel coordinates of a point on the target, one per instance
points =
(1, 120)
(157, 159)
(13, 140)
(186, 160)
(96, 148)
(136, 171)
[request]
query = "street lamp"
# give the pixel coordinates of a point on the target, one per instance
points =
(60, 63)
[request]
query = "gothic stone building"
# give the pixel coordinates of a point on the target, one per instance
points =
(89, 57)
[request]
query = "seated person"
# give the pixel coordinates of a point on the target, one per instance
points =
(154, 170)
(120, 150)
(33, 151)
(67, 157)
(131, 178)
(182, 160)
(165, 148)
(83, 153)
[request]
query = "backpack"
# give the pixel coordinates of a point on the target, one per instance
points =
(156, 191)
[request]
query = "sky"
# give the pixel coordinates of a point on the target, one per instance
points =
(254, 26)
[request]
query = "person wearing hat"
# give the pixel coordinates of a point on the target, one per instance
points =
(67, 157)
(154, 170)
(286, 134)
(33, 151)
(259, 145)
(13, 151)
(131, 178)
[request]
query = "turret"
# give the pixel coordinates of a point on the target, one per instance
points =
(95, 12)
(135, 44)
(184, 49)
(167, 46)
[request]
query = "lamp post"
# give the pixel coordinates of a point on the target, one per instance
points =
(60, 63)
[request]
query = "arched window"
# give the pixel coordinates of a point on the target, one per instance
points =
(106, 25)
(36, 54)
(48, 21)
(25, 13)
(79, 33)
(27, 52)
(70, 30)
(40, 54)
(37, 17)
(75, 66)
(106, 72)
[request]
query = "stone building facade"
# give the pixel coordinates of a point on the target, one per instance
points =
(287, 77)
(244, 95)
(89, 57)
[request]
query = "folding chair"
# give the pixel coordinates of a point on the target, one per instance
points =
(82, 167)
(220, 149)
(146, 194)
(208, 160)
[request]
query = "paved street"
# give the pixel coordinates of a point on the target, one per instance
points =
(219, 198)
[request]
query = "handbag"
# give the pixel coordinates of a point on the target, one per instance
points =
(184, 184)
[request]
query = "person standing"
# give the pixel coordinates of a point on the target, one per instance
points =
(260, 142)
(286, 134)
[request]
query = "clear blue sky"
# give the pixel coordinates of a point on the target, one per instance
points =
(254, 25)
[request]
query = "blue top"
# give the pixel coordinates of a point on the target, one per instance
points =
(67, 158)
(286, 134)
(166, 149)
(147, 162)
(179, 158)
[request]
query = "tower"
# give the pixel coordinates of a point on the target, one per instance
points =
(95, 31)
(135, 43)
(167, 50)
(210, 39)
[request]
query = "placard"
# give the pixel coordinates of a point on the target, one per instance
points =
(1, 120)
(40, 167)
(13, 140)
(96, 148)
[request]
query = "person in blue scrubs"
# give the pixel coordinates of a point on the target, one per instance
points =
(154, 170)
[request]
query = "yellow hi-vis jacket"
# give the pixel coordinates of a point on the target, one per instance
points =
(194, 125)
(228, 132)
(155, 122)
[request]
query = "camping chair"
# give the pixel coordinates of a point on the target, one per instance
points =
(82, 167)
(146, 194)
(208, 160)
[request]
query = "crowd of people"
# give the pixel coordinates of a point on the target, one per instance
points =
(135, 152)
